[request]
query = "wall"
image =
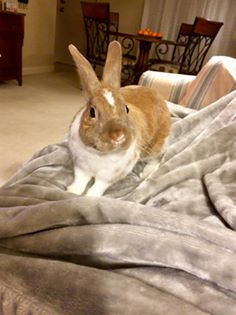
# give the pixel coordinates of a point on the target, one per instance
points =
(70, 28)
(130, 14)
(39, 41)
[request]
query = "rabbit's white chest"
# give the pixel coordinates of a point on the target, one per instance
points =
(109, 166)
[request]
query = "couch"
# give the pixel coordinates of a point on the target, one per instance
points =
(216, 79)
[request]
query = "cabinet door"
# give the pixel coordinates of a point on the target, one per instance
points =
(9, 57)
(7, 53)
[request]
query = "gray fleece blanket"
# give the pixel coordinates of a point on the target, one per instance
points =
(164, 245)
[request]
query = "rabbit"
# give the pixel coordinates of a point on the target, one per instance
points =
(116, 127)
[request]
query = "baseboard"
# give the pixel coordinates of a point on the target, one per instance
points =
(37, 70)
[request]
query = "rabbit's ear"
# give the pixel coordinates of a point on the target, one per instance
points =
(112, 68)
(88, 77)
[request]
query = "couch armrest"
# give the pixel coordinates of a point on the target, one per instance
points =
(171, 86)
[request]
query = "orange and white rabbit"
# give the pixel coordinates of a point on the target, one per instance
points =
(115, 128)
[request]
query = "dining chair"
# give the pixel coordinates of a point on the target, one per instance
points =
(198, 40)
(101, 27)
(203, 34)
(96, 17)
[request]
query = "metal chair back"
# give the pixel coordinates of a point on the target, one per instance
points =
(200, 40)
(182, 39)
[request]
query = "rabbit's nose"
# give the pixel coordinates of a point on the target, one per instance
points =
(117, 136)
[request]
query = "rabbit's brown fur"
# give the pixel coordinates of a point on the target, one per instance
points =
(151, 115)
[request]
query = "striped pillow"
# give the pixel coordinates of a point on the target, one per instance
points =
(171, 86)
(216, 79)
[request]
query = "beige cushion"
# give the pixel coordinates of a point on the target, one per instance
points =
(171, 86)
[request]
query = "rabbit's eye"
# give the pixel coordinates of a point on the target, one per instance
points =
(127, 109)
(92, 112)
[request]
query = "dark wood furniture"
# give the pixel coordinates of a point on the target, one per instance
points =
(185, 31)
(200, 40)
(187, 56)
(187, 53)
(145, 44)
(11, 42)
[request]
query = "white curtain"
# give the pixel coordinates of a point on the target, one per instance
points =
(167, 15)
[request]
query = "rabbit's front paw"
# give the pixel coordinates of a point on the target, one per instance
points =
(80, 182)
(97, 189)
(76, 188)
(149, 169)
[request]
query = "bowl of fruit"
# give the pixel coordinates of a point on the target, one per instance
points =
(148, 32)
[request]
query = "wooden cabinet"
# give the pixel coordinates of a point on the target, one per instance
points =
(11, 42)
